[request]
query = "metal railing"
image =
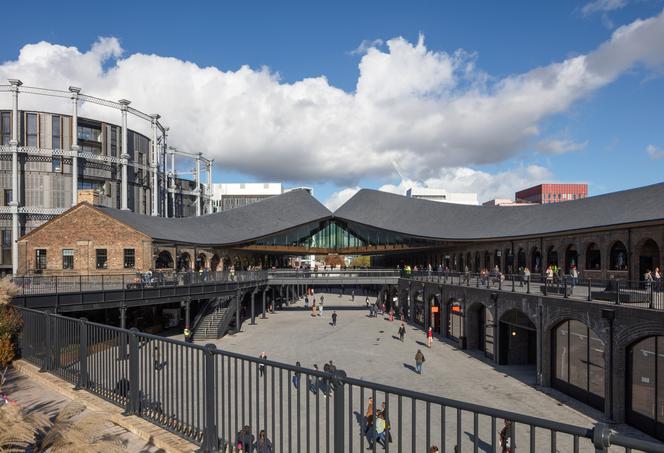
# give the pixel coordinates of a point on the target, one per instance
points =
(57, 284)
(209, 396)
(332, 273)
(622, 292)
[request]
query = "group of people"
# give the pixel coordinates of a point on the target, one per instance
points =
(247, 443)
(377, 428)
(654, 279)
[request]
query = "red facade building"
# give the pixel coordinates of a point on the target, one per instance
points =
(552, 193)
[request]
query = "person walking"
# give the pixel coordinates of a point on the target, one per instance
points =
(402, 331)
(574, 274)
(334, 318)
(419, 360)
(429, 337)
(506, 437)
(352, 296)
(306, 302)
(368, 416)
(263, 444)
(261, 366)
(320, 307)
(391, 314)
(296, 376)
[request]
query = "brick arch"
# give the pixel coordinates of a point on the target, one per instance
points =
(623, 341)
(597, 325)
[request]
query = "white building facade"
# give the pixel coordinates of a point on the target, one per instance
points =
(443, 196)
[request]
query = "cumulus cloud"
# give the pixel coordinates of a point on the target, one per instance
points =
(426, 110)
(559, 146)
(338, 198)
(463, 179)
(654, 152)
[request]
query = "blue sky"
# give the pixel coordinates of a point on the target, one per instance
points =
(612, 125)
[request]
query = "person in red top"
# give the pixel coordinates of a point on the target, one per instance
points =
(429, 337)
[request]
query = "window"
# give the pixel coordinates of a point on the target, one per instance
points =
(6, 246)
(56, 141)
(618, 257)
(67, 258)
(89, 134)
(40, 259)
(593, 257)
(31, 129)
(102, 258)
(7, 197)
(5, 128)
(129, 258)
(579, 362)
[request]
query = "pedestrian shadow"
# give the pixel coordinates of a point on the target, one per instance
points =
(421, 343)
(410, 367)
(359, 418)
(330, 323)
(481, 445)
(395, 337)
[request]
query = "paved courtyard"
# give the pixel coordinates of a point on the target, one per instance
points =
(369, 348)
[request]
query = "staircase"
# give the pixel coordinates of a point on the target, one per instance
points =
(215, 323)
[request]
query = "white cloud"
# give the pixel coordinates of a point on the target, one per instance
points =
(462, 179)
(602, 6)
(559, 146)
(424, 109)
(654, 152)
(338, 198)
(365, 45)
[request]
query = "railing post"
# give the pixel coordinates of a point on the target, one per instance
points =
(602, 437)
(210, 441)
(102, 282)
(513, 287)
(528, 285)
(500, 282)
(48, 350)
(546, 285)
(650, 305)
(339, 409)
(590, 290)
(133, 399)
(82, 382)
(565, 288)
(617, 292)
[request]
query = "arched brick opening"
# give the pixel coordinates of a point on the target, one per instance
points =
(578, 362)
(518, 339)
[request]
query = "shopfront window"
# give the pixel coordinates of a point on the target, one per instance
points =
(645, 405)
(579, 363)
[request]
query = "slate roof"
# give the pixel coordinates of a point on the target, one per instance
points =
(409, 216)
(446, 221)
(264, 218)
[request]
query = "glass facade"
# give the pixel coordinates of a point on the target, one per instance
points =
(579, 363)
(645, 393)
(338, 235)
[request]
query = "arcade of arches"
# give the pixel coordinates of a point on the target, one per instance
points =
(574, 357)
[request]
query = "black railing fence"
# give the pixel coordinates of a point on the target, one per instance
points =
(57, 284)
(618, 291)
(208, 395)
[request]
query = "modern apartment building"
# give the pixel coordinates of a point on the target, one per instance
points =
(552, 193)
(442, 196)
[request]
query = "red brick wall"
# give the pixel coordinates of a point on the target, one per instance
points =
(84, 229)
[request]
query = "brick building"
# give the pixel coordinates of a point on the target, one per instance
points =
(552, 193)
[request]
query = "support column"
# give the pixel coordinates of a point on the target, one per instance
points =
(153, 166)
(287, 295)
(427, 309)
(125, 155)
(74, 144)
(264, 295)
(253, 308)
(209, 185)
(198, 184)
(237, 312)
(172, 183)
(13, 143)
(187, 313)
(123, 317)
(123, 336)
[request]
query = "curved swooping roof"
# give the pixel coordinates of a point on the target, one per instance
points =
(446, 221)
(257, 220)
